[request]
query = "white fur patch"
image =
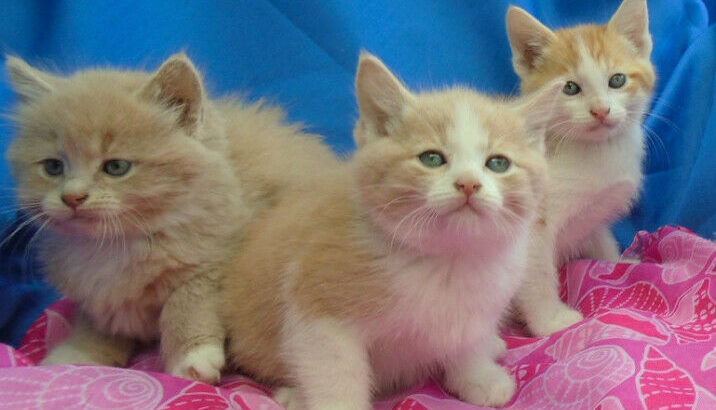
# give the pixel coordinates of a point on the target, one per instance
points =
(202, 363)
(480, 381)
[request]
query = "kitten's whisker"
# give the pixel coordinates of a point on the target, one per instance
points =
(141, 223)
(397, 227)
(28, 247)
(103, 224)
(124, 239)
(396, 201)
(98, 242)
(568, 136)
(28, 221)
(397, 185)
(399, 199)
(22, 207)
(412, 224)
(662, 101)
(419, 224)
(115, 234)
(637, 115)
(652, 136)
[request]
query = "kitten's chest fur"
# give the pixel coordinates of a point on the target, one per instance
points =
(592, 184)
(121, 287)
(439, 308)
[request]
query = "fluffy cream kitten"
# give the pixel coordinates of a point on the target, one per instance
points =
(368, 281)
(139, 183)
(595, 143)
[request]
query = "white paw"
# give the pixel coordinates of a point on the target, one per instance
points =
(288, 398)
(202, 363)
(493, 387)
(498, 347)
(562, 319)
(67, 354)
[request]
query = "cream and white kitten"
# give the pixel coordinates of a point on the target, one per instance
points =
(595, 143)
(140, 185)
(399, 265)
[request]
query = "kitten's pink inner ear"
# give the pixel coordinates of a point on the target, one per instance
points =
(528, 38)
(631, 20)
(178, 85)
(381, 96)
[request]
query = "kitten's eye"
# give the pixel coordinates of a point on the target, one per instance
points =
(116, 167)
(571, 88)
(617, 80)
(53, 166)
(432, 159)
(498, 163)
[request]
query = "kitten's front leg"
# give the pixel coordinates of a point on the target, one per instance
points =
(192, 337)
(478, 379)
(538, 296)
(601, 245)
(88, 345)
(329, 364)
(498, 347)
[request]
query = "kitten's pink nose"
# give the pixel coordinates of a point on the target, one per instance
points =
(467, 186)
(74, 200)
(599, 112)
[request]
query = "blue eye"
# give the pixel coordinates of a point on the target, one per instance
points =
(571, 88)
(116, 167)
(432, 159)
(53, 167)
(617, 80)
(498, 163)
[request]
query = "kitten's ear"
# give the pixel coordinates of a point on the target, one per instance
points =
(528, 39)
(29, 83)
(381, 96)
(537, 109)
(631, 20)
(178, 85)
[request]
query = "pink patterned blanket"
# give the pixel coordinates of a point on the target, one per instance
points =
(647, 343)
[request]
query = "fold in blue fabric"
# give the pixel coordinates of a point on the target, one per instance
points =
(302, 55)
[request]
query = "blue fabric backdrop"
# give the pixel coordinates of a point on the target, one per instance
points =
(302, 54)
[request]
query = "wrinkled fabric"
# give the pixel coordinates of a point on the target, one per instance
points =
(302, 55)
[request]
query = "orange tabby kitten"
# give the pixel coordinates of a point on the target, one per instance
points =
(368, 280)
(139, 182)
(595, 144)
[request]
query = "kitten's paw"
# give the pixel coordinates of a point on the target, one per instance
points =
(69, 354)
(562, 319)
(492, 386)
(498, 347)
(288, 398)
(202, 363)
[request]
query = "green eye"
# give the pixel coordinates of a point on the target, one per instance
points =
(617, 80)
(571, 88)
(116, 167)
(53, 166)
(432, 159)
(498, 163)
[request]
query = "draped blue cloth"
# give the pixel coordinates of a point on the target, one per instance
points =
(303, 54)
